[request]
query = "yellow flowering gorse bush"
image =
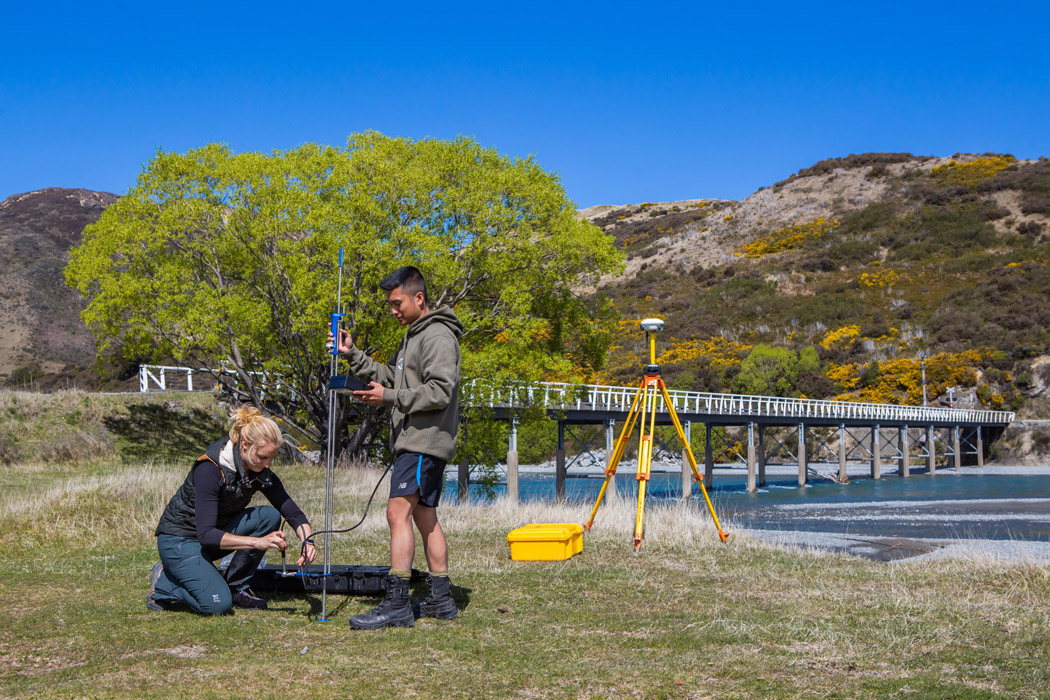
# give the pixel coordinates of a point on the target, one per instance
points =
(844, 335)
(880, 278)
(972, 173)
(899, 380)
(721, 352)
(786, 238)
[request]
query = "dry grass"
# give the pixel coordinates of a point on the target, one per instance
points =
(687, 618)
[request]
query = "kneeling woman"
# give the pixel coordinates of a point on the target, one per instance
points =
(208, 517)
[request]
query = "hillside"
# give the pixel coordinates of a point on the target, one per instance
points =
(866, 261)
(40, 329)
(846, 270)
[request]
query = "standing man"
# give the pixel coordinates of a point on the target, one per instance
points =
(421, 386)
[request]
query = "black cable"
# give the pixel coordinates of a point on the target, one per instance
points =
(354, 526)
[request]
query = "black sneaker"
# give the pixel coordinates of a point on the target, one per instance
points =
(248, 599)
(151, 602)
(394, 611)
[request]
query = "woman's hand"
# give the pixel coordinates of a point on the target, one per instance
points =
(275, 540)
(308, 555)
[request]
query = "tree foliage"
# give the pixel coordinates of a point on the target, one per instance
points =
(769, 371)
(222, 258)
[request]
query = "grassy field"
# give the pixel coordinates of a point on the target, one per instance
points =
(687, 618)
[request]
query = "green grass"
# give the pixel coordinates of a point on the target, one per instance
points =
(688, 618)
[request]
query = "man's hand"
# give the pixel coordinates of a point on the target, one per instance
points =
(345, 341)
(372, 396)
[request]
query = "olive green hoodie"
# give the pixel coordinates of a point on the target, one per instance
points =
(422, 385)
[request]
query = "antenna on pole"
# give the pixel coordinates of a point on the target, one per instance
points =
(335, 319)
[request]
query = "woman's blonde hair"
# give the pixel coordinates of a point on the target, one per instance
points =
(252, 427)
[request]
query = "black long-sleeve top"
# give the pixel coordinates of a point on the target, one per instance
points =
(208, 484)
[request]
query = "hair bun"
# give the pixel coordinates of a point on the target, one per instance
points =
(250, 425)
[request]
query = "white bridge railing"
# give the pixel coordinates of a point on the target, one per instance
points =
(167, 378)
(597, 397)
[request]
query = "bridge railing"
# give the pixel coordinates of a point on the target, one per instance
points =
(599, 397)
(618, 398)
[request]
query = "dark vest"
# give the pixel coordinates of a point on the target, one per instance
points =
(179, 517)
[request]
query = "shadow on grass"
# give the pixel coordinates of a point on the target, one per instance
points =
(155, 431)
(461, 595)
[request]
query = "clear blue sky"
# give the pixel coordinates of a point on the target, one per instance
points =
(626, 102)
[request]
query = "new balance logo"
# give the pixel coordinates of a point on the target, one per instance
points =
(404, 485)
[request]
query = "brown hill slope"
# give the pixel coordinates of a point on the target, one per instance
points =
(40, 327)
(867, 261)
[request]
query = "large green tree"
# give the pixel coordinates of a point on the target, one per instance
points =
(216, 258)
(769, 371)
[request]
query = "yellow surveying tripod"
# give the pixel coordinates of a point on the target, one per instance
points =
(652, 386)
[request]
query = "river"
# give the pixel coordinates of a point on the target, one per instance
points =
(994, 503)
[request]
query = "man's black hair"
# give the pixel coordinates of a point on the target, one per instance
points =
(409, 279)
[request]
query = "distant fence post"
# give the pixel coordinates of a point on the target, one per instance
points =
(512, 462)
(559, 465)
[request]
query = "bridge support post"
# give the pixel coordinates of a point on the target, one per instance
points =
(761, 456)
(559, 465)
(687, 471)
(512, 462)
(709, 460)
(980, 448)
(802, 458)
(752, 459)
(931, 452)
(957, 457)
(904, 447)
(610, 447)
(876, 452)
(842, 453)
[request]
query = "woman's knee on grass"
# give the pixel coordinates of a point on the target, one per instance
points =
(215, 602)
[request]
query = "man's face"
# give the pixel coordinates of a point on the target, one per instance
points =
(405, 307)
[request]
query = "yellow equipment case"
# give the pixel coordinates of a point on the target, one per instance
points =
(545, 541)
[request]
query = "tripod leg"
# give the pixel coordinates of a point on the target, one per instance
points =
(692, 459)
(645, 457)
(614, 460)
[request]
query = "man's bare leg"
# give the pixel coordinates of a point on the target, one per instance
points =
(434, 544)
(399, 510)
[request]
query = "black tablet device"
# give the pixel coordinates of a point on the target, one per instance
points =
(345, 383)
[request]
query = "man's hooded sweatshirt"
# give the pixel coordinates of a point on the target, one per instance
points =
(421, 385)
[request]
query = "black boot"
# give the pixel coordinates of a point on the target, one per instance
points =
(439, 602)
(394, 611)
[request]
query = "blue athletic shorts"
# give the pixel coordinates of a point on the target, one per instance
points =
(417, 473)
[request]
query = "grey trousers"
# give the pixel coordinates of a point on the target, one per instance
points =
(190, 575)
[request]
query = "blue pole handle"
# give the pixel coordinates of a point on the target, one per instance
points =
(335, 319)
(340, 257)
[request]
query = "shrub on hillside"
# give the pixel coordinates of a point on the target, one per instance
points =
(858, 160)
(940, 230)
(972, 173)
(828, 308)
(874, 216)
(1032, 180)
(786, 238)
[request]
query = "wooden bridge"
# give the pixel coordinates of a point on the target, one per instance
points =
(802, 432)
